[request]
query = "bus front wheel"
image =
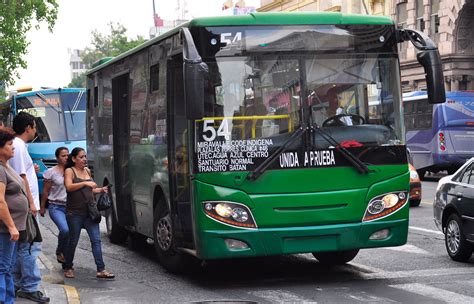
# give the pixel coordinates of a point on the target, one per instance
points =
(336, 257)
(170, 257)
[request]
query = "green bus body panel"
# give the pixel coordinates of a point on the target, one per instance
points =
(275, 241)
(293, 18)
(276, 18)
(302, 222)
(304, 180)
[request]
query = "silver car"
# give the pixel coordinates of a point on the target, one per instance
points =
(453, 210)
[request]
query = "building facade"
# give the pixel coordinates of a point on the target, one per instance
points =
(77, 67)
(450, 23)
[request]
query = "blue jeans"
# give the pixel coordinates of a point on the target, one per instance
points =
(76, 223)
(26, 272)
(58, 215)
(7, 260)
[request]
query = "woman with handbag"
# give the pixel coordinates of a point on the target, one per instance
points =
(80, 194)
(54, 192)
(13, 213)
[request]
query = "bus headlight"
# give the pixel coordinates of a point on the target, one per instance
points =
(230, 213)
(383, 205)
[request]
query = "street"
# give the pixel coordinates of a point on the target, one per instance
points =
(418, 272)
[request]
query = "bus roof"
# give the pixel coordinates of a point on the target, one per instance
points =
(275, 18)
(456, 95)
(50, 91)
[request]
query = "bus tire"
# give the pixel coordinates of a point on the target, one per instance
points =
(170, 258)
(116, 233)
(336, 257)
(415, 203)
(457, 246)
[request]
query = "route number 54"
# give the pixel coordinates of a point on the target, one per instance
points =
(209, 133)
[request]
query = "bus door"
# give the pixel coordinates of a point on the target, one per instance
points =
(178, 149)
(121, 131)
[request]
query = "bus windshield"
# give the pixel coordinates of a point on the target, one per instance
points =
(59, 116)
(269, 97)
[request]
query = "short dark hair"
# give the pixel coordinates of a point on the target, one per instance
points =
(73, 153)
(58, 151)
(21, 121)
(6, 134)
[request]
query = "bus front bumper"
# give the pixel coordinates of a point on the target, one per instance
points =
(289, 240)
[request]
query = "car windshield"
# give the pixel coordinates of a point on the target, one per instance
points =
(59, 117)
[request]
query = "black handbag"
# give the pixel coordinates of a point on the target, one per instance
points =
(104, 202)
(32, 231)
(93, 212)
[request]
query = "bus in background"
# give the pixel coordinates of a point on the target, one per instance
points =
(440, 137)
(60, 121)
(242, 136)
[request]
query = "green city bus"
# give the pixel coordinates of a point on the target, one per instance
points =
(245, 136)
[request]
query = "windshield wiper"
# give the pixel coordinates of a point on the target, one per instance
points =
(267, 162)
(43, 98)
(71, 114)
(354, 160)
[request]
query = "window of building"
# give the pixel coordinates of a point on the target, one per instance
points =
(402, 14)
(434, 22)
(420, 10)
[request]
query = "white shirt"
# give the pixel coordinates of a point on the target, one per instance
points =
(22, 163)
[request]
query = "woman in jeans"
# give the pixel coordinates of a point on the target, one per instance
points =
(80, 190)
(13, 211)
(54, 191)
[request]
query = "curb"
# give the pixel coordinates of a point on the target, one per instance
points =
(54, 285)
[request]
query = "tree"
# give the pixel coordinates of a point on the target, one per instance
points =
(16, 19)
(110, 45)
(78, 82)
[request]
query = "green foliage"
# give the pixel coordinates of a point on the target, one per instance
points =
(78, 81)
(111, 45)
(17, 17)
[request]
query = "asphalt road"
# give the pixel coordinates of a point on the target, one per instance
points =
(418, 272)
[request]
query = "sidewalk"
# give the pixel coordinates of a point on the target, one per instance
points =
(52, 285)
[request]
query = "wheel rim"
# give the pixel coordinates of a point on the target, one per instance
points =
(164, 233)
(453, 236)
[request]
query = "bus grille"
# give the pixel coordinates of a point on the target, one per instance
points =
(49, 163)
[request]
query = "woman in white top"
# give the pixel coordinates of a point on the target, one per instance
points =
(54, 191)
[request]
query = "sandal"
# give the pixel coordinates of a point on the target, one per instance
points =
(69, 273)
(104, 274)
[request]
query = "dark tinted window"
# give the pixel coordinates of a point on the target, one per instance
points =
(418, 115)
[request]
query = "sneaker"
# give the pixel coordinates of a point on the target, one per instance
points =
(35, 296)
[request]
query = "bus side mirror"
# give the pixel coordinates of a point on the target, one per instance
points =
(428, 57)
(195, 74)
(431, 62)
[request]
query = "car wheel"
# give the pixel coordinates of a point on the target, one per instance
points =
(456, 245)
(415, 203)
(336, 257)
(164, 235)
